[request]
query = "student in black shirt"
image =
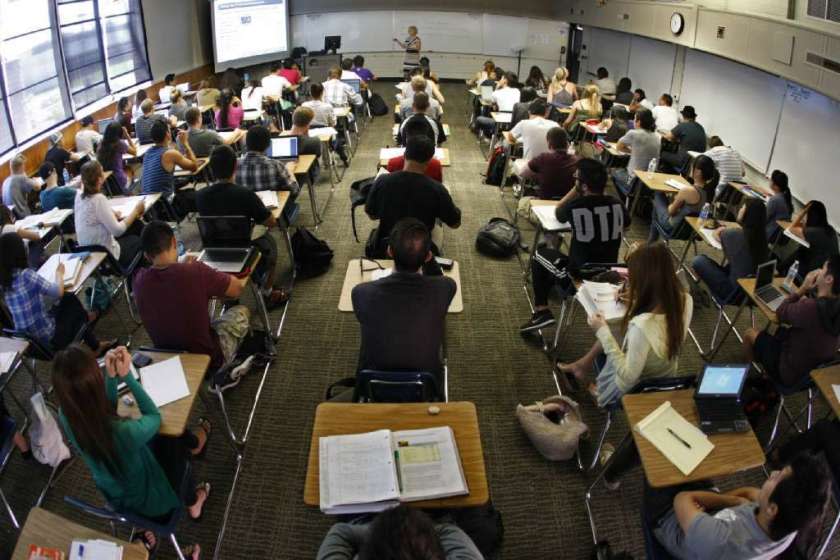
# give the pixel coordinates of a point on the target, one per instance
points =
(228, 199)
(691, 137)
(409, 194)
(402, 315)
(59, 156)
(597, 221)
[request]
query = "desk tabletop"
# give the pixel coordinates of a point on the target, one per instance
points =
(89, 266)
(733, 453)
(384, 155)
(333, 419)
(748, 285)
(141, 151)
(550, 224)
(751, 190)
(656, 181)
(202, 163)
(502, 117)
(706, 233)
(282, 200)
(825, 378)
(123, 203)
(47, 529)
(16, 345)
(356, 276)
(175, 415)
(304, 164)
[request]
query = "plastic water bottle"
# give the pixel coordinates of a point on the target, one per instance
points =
(66, 176)
(791, 276)
(182, 249)
(652, 167)
(705, 212)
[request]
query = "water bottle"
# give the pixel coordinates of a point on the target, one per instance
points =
(705, 212)
(652, 167)
(182, 249)
(791, 276)
(66, 175)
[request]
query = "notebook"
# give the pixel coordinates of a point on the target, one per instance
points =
(165, 381)
(547, 215)
(679, 185)
(679, 440)
(601, 297)
(708, 235)
(269, 199)
(72, 268)
(378, 470)
(6, 361)
(95, 549)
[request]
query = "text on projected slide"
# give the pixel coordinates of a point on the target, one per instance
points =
(245, 28)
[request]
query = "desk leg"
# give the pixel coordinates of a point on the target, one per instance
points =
(681, 264)
(710, 355)
(588, 498)
(263, 312)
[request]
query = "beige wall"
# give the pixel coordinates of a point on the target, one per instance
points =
(520, 8)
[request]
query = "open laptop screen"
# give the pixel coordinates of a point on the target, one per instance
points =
(284, 147)
(722, 380)
(487, 93)
(764, 274)
(355, 84)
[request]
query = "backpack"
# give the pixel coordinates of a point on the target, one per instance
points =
(496, 167)
(358, 197)
(498, 238)
(312, 255)
(378, 107)
(47, 442)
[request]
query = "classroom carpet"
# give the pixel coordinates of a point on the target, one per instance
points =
(490, 364)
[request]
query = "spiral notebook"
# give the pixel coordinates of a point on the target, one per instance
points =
(679, 440)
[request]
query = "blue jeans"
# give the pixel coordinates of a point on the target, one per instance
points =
(486, 125)
(659, 216)
(716, 278)
(623, 181)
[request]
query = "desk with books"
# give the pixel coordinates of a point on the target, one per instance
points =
(75, 277)
(332, 419)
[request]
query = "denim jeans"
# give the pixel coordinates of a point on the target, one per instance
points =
(659, 216)
(622, 180)
(716, 278)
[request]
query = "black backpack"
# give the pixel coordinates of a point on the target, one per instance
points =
(496, 167)
(312, 255)
(378, 107)
(498, 238)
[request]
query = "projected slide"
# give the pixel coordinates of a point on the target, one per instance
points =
(244, 29)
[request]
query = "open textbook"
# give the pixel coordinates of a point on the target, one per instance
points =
(378, 470)
(72, 267)
(601, 297)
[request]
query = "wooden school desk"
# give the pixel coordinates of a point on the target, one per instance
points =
(444, 159)
(47, 529)
(175, 415)
(361, 270)
(89, 266)
(544, 226)
(656, 183)
(824, 378)
(733, 452)
(332, 419)
(123, 203)
(301, 172)
(44, 223)
(202, 163)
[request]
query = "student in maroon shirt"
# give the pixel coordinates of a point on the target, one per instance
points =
(554, 170)
(173, 298)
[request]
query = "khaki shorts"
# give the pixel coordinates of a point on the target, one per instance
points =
(231, 328)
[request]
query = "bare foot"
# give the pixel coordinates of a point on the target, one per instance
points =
(21, 443)
(576, 368)
(202, 434)
(202, 492)
(193, 552)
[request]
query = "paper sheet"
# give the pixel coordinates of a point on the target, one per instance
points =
(677, 184)
(165, 381)
(6, 359)
(547, 215)
(655, 427)
(377, 274)
(836, 392)
(269, 198)
(708, 235)
(72, 268)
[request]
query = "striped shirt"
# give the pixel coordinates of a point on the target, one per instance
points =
(258, 172)
(728, 163)
(156, 179)
(339, 94)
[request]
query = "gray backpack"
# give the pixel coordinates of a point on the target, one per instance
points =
(498, 238)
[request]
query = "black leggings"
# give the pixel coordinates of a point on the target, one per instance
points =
(173, 456)
(70, 317)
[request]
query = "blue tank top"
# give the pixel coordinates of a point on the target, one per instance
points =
(155, 178)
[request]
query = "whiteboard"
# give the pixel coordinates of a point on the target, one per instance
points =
(807, 147)
(605, 48)
(546, 38)
(454, 32)
(503, 34)
(740, 104)
(651, 66)
(360, 32)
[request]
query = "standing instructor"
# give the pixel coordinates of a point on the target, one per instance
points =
(412, 46)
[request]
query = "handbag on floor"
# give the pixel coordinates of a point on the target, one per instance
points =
(553, 425)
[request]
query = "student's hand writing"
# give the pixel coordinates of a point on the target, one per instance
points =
(59, 272)
(597, 321)
(140, 209)
(118, 362)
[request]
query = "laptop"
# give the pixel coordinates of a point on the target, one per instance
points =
(765, 291)
(284, 148)
(103, 124)
(226, 259)
(226, 241)
(185, 87)
(718, 398)
(487, 94)
(355, 84)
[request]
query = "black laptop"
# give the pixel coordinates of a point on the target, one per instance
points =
(765, 291)
(226, 241)
(718, 398)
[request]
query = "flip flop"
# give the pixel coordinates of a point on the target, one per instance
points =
(206, 487)
(144, 540)
(205, 425)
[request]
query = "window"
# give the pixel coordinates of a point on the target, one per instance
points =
(34, 83)
(7, 141)
(84, 56)
(125, 43)
(825, 9)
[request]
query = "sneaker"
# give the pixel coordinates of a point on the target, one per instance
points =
(539, 320)
(239, 371)
(229, 382)
(607, 451)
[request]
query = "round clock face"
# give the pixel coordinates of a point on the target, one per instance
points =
(677, 23)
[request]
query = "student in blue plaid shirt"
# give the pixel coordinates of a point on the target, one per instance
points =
(29, 298)
(258, 172)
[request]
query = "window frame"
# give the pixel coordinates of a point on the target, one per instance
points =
(100, 41)
(148, 64)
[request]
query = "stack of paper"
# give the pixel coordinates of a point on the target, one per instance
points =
(95, 549)
(72, 268)
(711, 239)
(388, 153)
(165, 381)
(677, 184)
(547, 215)
(601, 297)
(269, 198)
(679, 440)
(321, 132)
(48, 219)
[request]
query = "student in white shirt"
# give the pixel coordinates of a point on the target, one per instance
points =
(324, 112)
(88, 138)
(167, 88)
(665, 114)
(419, 84)
(347, 71)
(640, 101)
(532, 131)
(274, 84)
(606, 85)
(252, 96)
(504, 98)
(338, 93)
(728, 162)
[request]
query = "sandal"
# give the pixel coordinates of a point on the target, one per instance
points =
(276, 298)
(207, 427)
(206, 487)
(144, 540)
(192, 552)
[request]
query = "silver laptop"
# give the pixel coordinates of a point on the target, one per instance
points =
(284, 148)
(226, 259)
(765, 291)
(487, 94)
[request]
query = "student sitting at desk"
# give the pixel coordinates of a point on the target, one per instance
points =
(779, 205)
(687, 202)
(165, 93)
(135, 469)
(640, 101)
(409, 194)
(115, 144)
(434, 169)
(348, 74)
(727, 161)
(290, 73)
(229, 113)
(40, 308)
(587, 107)
(225, 198)
(324, 112)
(810, 334)
(53, 196)
(134, 108)
(811, 224)
(17, 186)
(419, 112)
(339, 94)
(655, 324)
(253, 96)
(606, 85)
(401, 532)
(178, 105)
(536, 79)
(143, 124)
(666, 116)
(561, 92)
(258, 172)
(532, 132)
(744, 249)
(624, 92)
(433, 82)
(59, 156)
(486, 74)
(690, 137)
(418, 85)
(698, 522)
(388, 341)
(203, 140)
(504, 98)
(98, 224)
(361, 71)
(173, 297)
(597, 222)
(553, 170)
(643, 143)
(206, 95)
(159, 164)
(88, 137)
(527, 96)
(307, 145)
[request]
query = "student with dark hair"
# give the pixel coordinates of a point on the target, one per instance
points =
(143, 124)
(643, 144)
(505, 97)
(26, 294)
(87, 138)
(665, 114)
(728, 163)
(744, 249)
(53, 196)
(597, 221)
(624, 91)
(203, 140)
(779, 205)
(136, 470)
(409, 194)
(173, 297)
(324, 112)
(520, 109)
(640, 101)
(687, 202)
(401, 533)
(810, 334)
(689, 135)
(606, 85)
(59, 156)
(695, 521)
(258, 172)
(229, 113)
(420, 107)
(159, 164)
(434, 169)
(417, 85)
(226, 198)
(253, 96)
(359, 68)
(536, 79)
(168, 86)
(811, 224)
(553, 170)
(115, 144)
(125, 113)
(532, 132)
(389, 340)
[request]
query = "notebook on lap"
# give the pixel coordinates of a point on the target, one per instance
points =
(718, 398)
(765, 291)
(487, 94)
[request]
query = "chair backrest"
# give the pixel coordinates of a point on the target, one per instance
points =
(396, 387)
(658, 384)
(225, 231)
(8, 426)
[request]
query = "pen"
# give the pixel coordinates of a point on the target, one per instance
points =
(682, 441)
(81, 551)
(397, 463)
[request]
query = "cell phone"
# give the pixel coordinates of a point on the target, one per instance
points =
(445, 264)
(140, 360)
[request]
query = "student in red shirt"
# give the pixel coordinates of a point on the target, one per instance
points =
(289, 72)
(434, 169)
